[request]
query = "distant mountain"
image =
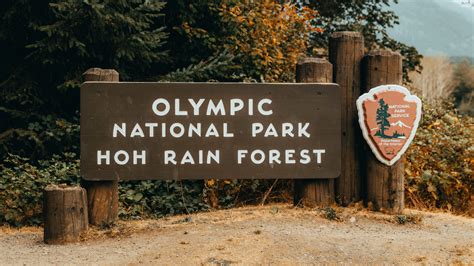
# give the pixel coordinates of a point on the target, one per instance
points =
(436, 26)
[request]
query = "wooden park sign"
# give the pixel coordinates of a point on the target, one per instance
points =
(132, 131)
(389, 116)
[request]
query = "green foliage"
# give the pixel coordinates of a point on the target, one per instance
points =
(235, 192)
(19, 76)
(46, 46)
(22, 184)
(439, 168)
(196, 31)
(59, 40)
(158, 198)
(124, 35)
(214, 68)
(41, 138)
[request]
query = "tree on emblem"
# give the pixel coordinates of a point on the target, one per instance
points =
(382, 119)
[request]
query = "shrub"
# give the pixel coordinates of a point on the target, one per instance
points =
(440, 161)
(157, 198)
(22, 184)
(41, 137)
(269, 37)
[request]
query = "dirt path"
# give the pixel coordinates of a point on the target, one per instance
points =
(276, 234)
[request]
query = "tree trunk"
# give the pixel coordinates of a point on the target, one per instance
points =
(385, 188)
(346, 50)
(312, 192)
(65, 214)
(102, 195)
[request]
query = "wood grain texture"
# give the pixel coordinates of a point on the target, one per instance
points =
(385, 184)
(102, 196)
(346, 50)
(312, 192)
(313, 70)
(102, 201)
(65, 214)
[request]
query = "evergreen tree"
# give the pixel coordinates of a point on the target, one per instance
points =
(46, 45)
(382, 119)
(125, 35)
(62, 39)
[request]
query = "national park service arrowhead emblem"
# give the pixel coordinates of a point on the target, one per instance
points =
(389, 116)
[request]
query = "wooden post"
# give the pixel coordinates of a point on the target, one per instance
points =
(385, 189)
(65, 214)
(311, 192)
(346, 50)
(102, 196)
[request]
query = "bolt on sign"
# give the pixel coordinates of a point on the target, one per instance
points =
(389, 116)
(133, 131)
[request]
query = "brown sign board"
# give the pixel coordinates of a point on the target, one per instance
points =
(136, 131)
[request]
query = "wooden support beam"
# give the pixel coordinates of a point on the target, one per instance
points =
(346, 50)
(312, 192)
(385, 188)
(102, 195)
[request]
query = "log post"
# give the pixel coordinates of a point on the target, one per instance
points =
(65, 214)
(346, 50)
(385, 189)
(102, 196)
(311, 192)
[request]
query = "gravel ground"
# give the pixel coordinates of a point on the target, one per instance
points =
(275, 234)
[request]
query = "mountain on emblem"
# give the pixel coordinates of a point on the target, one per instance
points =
(389, 116)
(399, 123)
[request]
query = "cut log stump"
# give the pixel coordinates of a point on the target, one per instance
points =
(65, 214)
